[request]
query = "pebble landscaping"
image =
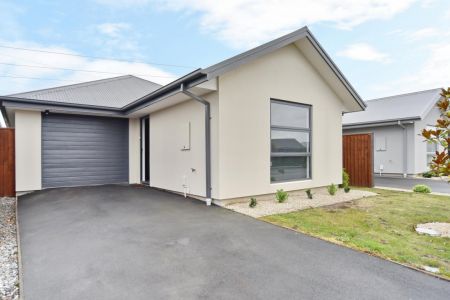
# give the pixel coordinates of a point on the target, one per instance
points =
(9, 269)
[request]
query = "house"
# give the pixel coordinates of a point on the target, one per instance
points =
(396, 123)
(207, 134)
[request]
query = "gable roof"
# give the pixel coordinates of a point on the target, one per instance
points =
(123, 99)
(113, 92)
(411, 106)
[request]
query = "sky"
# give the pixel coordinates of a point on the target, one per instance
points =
(383, 47)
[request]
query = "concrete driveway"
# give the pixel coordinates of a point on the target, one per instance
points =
(120, 242)
(438, 186)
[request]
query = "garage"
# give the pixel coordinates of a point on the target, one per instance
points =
(83, 150)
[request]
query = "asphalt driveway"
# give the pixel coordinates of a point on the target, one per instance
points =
(439, 186)
(120, 242)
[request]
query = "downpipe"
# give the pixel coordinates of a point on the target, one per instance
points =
(207, 140)
(405, 149)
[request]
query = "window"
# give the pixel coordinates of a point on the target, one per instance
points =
(431, 148)
(290, 131)
(380, 143)
(431, 152)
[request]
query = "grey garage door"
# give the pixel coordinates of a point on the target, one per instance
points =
(83, 150)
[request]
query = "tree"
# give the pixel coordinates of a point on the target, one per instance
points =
(440, 165)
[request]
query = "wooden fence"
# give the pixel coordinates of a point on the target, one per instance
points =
(358, 159)
(7, 163)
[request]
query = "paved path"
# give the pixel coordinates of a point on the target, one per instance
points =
(117, 242)
(439, 186)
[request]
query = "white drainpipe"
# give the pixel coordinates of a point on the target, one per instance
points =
(405, 149)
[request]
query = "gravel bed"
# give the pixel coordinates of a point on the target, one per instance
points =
(9, 269)
(434, 229)
(267, 205)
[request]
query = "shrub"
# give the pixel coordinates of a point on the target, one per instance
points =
(332, 189)
(253, 202)
(428, 174)
(309, 194)
(421, 188)
(281, 196)
(347, 189)
(345, 179)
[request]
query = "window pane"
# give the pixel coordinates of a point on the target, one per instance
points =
(431, 148)
(289, 115)
(289, 168)
(284, 141)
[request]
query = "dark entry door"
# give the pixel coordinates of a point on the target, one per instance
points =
(83, 150)
(145, 149)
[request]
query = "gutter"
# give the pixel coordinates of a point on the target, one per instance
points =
(18, 103)
(207, 139)
(380, 123)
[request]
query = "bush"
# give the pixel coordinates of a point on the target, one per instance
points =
(347, 189)
(332, 189)
(253, 202)
(309, 194)
(281, 196)
(428, 174)
(421, 188)
(345, 179)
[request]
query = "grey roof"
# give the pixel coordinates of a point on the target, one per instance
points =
(111, 92)
(132, 96)
(201, 75)
(411, 106)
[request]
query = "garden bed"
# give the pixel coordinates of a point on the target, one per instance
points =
(9, 268)
(267, 204)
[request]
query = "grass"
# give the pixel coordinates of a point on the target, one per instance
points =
(382, 225)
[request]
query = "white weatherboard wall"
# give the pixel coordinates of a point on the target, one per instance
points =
(244, 123)
(170, 166)
(134, 150)
(28, 150)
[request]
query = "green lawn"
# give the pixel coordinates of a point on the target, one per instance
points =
(382, 225)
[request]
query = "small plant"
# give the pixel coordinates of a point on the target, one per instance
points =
(427, 174)
(347, 189)
(345, 179)
(332, 189)
(421, 188)
(253, 202)
(281, 196)
(309, 194)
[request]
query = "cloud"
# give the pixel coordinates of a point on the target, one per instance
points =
(364, 52)
(113, 30)
(433, 73)
(246, 23)
(9, 85)
(123, 3)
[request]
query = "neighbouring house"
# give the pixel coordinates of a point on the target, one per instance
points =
(396, 123)
(267, 119)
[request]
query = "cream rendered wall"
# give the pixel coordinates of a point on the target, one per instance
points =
(28, 150)
(170, 167)
(244, 126)
(134, 151)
